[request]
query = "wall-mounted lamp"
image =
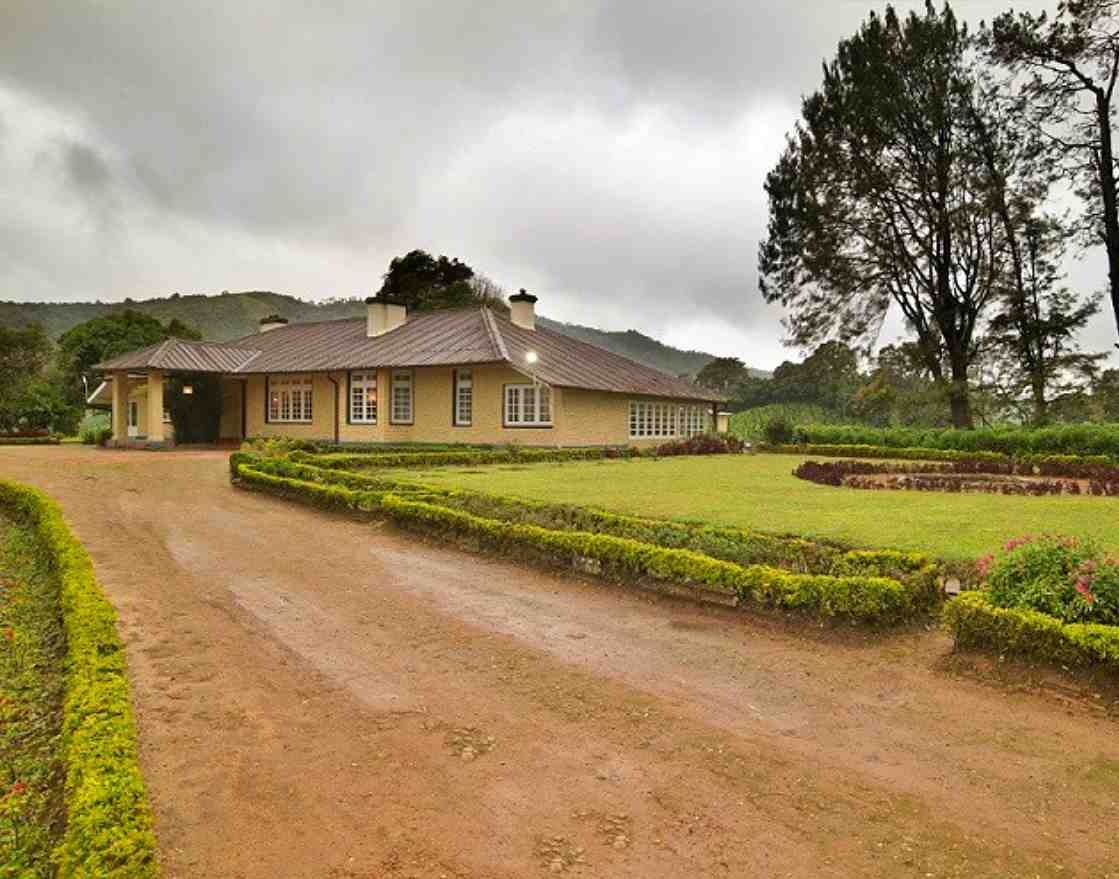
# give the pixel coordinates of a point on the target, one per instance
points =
(530, 357)
(188, 389)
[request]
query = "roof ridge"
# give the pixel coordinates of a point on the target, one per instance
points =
(495, 334)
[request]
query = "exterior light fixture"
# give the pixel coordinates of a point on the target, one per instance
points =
(188, 389)
(530, 357)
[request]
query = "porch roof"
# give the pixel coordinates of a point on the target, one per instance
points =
(183, 355)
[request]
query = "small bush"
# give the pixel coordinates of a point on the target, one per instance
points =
(1063, 577)
(704, 444)
(779, 431)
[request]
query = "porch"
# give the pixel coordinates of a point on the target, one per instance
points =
(143, 403)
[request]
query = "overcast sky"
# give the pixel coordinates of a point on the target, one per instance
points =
(607, 156)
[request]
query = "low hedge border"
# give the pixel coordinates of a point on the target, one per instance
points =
(108, 818)
(858, 598)
(29, 440)
(469, 458)
(797, 554)
(975, 622)
(899, 454)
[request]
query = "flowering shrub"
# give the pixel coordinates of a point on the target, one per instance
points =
(1060, 576)
(703, 444)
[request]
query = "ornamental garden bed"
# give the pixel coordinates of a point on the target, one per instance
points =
(1049, 477)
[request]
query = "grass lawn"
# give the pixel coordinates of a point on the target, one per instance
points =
(760, 492)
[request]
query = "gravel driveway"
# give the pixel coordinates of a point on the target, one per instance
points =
(324, 698)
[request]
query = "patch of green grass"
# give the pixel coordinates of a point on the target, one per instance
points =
(32, 651)
(760, 492)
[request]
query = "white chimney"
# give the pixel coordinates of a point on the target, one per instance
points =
(522, 310)
(272, 322)
(383, 316)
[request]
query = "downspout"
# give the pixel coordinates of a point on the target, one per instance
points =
(334, 382)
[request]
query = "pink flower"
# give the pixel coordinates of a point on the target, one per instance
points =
(983, 566)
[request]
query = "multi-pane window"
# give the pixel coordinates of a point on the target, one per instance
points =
(464, 398)
(363, 397)
(528, 406)
(401, 396)
(650, 420)
(289, 398)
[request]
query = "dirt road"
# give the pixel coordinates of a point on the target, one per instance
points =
(323, 698)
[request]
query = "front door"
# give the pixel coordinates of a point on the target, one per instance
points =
(133, 418)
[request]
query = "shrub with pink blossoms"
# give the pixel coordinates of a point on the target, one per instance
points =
(1061, 576)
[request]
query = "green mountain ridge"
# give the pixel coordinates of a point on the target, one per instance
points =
(232, 315)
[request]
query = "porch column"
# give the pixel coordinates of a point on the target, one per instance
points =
(155, 407)
(120, 408)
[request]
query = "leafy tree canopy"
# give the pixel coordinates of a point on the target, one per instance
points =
(24, 354)
(723, 374)
(424, 282)
(102, 338)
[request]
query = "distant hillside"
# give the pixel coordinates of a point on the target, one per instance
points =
(232, 315)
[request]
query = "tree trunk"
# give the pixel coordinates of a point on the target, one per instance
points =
(959, 397)
(1107, 187)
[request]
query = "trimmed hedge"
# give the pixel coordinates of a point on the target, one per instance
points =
(1066, 439)
(977, 623)
(29, 441)
(858, 597)
(472, 457)
(739, 545)
(898, 454)
(108, 818)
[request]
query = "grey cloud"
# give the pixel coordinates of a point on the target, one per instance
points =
(85, 167)
(610, 154)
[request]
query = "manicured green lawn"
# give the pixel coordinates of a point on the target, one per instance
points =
(759, 491)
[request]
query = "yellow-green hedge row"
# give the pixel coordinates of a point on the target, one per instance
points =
(722, 542)
(108, 818)
(451, 458)
(977, 623)
(29, 441)
(861, 598)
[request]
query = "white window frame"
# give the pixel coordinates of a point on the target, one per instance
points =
(402, 379)
(291, 399)
(464, 398)
(655, 419)
(537, 412)
(360, 384)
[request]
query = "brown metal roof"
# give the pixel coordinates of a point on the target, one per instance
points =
(182, 355)
(566, 362)
(453, 337)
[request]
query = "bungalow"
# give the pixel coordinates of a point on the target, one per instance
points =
(467, 375)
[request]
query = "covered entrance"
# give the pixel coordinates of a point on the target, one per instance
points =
(176, 392)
